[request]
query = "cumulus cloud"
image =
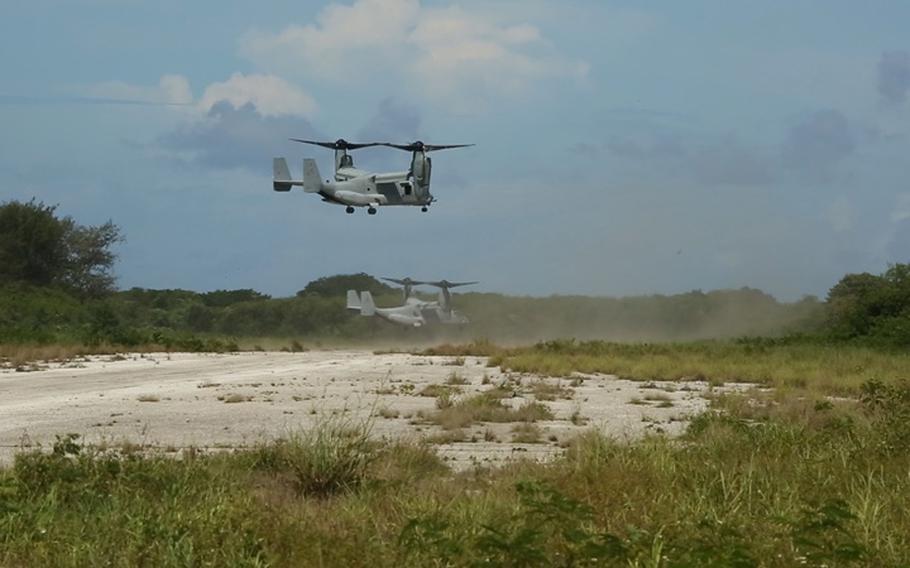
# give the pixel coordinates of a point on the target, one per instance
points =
(170, 90)
(269, 94)
(229, 137)
(894, 76)
(819, 141)
(442, 50)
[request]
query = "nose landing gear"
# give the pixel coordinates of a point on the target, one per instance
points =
(424, 208)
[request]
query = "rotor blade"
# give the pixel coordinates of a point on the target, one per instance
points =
(340, 144)
(404, 281)
(420, 146)
(433, 148)
(447, 284)
(405, 147)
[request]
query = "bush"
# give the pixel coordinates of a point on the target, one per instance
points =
(332, 457)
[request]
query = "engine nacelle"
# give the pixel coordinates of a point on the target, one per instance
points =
(421, 167)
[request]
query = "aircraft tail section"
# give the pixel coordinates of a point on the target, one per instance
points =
(281, 175)
(312, 181)
(353, 300)
(367, 307)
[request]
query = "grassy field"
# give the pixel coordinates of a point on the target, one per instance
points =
(814, 484)
(790, 477)
(835, 368)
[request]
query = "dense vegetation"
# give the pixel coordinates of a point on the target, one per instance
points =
(804, 482)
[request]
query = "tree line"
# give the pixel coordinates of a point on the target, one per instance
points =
(57, 284)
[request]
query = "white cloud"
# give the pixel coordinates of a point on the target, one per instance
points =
(171, 89)
(271, 95)
(448, 51)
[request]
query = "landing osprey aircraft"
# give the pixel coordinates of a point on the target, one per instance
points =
(359, 188)
(415, 312)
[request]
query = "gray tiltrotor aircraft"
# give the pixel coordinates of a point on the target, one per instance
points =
(359, 188)
(415, 312)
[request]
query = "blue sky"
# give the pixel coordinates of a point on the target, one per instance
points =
(622, 147)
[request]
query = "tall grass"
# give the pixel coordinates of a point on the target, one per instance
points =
(827, 367)
(797, 482)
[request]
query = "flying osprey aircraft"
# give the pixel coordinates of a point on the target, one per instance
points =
(353, 187)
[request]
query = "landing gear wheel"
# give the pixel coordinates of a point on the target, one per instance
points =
(349, 210)
(371, 210)
(424, 208)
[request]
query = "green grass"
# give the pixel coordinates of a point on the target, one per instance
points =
(805, 482)
(486, 407)
(825, 367)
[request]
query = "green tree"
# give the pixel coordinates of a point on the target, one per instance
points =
(339, 284)
(866, 305)
(38, 248)
(224, 298)
(31, 243)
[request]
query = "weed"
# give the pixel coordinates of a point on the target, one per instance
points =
(447, 437)
(234, 398)
(438, 390)
(486, 408)
(657, 397)
(576, 417)
(332, 457)
(526, 433)
(455, 379)
(388, 413)
(542, 390)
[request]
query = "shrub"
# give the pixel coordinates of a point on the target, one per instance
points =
(332, 457)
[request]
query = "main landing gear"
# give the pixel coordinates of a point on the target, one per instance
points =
(424, 208)
(371, 210)
(349, 210)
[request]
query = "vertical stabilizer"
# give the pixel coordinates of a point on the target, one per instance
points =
(353, 300)
(281, 175)
(367, 307)
(312, 182)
